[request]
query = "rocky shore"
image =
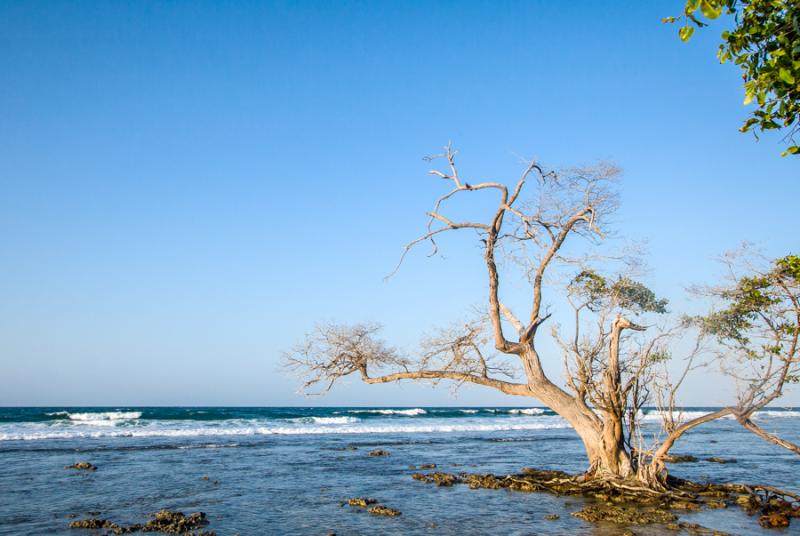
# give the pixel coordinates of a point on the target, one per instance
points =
(627, 504)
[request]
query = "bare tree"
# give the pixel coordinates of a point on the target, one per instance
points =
(609, 358)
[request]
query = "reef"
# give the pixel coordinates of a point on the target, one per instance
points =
(164, 521)
(380, 510)
(363, 502)
(628, 502)
(82, 466)
(384, 511)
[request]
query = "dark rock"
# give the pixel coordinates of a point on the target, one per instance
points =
(175, 522)
(716, 459)
(624, 515)
(680, 459)
(444, 479)
(94, 524)
(774, 520)
(379, 452)
(164, 521)
(82, 466)
(552, 517)
(440, 479)
(685, 505)
(695, 529)
(362, 502)
(428, 466)
(384, 511)
(483, 481)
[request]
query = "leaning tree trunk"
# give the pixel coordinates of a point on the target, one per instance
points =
(602, 439)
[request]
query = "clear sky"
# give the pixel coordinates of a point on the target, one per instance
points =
(187, 187)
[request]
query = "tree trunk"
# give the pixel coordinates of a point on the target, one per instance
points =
(602, 441)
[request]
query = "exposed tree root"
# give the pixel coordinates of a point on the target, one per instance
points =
(630, 502)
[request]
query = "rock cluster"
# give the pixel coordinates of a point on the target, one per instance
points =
(164, 521)
(630, 503)
(82, 466)
(676, 458)
(717, 459)
(363, 502)
(440, 479)
(777, 513)
(624, 515)
(379, 452)
(384, 511)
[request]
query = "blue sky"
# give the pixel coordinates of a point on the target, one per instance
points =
(185, 188)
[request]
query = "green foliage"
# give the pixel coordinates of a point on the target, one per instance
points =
(765, 44)
(789, 267)
(624, 293)
(751, 300)
(632, 295)
(659, 356)
(591, 287)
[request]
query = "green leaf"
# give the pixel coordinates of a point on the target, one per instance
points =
(786, 76)
(668, 20)
(710, 10)
(691, 6)
(795, 149)
(685, 33)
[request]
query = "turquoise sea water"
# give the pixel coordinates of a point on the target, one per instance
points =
(287, 470)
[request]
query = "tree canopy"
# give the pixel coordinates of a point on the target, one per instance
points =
(765, 44)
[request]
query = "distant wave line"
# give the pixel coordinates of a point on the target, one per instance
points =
(26, 435)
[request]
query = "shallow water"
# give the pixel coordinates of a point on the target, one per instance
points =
(286, 470)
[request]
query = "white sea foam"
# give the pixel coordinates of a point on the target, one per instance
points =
(105, 418)
(257, 428)
(469, 411)
(655, 415)
(527, 411)
(101, 418)
(777, 413)
(407, 412)
(326, 420)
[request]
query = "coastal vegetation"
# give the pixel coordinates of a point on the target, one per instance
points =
(551, 230)
(765, 44)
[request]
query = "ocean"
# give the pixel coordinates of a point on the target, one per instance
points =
(289, 470)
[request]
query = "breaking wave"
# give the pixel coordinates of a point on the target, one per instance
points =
(406, 412)
(326, 420)
(655, 415)
(103, 418)
(527, 411)
(31, 432)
